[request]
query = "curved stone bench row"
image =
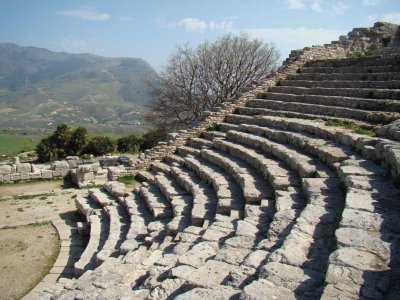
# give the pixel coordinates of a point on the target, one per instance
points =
(341, 83)
(86, 261)
(357, 101)
(355, 76)
(369, 116)
(381, 149)
(367, 236)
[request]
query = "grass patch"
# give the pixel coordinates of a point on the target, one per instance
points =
(355, 128)
(128, 179)
(28, 197)
(214, 127)
(20, 209)
(13, 144)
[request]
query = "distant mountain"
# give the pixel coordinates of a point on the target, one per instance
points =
(40, 88)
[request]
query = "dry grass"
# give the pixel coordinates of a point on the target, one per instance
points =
(26, 255)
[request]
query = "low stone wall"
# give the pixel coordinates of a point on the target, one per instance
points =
(358, 40)
(88, 169)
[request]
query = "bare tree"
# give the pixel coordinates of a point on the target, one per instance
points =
(196, 80)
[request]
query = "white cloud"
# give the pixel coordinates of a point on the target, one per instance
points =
(193, 25)
(393, 17)
(339, 8)
(196, 25)
(86, 13)
(296, 4)
(316, 6)
(371, 2)
(287, 39)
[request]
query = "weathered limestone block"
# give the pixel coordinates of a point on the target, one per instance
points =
(231, 255)
(23, 168)
(197, 256)
(60, 165)
(210, 275)
(25, 176)
(35, 175)
(263, 289)
(292, 278)
(360, 260)
(46, 174)
(56, 173)
(219, 293)
(115, 188)
(5, 169)
(15, 176)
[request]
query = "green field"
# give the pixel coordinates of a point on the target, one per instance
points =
(14, 144)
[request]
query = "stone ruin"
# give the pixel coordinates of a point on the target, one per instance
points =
(86, 171)
(294, 197)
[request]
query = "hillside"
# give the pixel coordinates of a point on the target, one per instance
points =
(39, 88)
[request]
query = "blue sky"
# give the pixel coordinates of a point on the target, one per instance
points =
(151, 29)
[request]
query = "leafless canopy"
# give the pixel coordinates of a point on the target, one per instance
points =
(196, 80)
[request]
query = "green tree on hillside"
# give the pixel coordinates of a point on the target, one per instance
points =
(100, 145)
(78, 141)
(129, 144)
(46, 150)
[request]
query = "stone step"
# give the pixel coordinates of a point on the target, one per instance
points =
(367, 236)
(229, 195)
(86, 207)
(199, 143)
(370, 93)
(87, 259)
(374, 117)
(306, 249)
(277, 175)
(342, 101)
(145, 176)
(389, 84)
(116, 234)
(204, 198)
(385, 76)
(351, 69)
(328, 152)
(140, 217)
(249, 111)
(359, 61)
(100, 198)
(253, 185)
(305, 165)
(379, 149)
(157, 203)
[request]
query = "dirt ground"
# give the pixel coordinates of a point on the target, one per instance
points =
(26, 254)
(25, 250)
(19, 188)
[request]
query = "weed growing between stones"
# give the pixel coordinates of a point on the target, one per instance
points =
(128, 179)
(355, 128)
(214, 127)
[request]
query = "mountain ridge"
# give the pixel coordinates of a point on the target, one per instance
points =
(39, 87)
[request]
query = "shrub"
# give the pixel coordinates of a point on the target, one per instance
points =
(129, 144)
(100, 145)
(152, 137)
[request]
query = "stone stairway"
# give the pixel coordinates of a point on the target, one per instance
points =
(295, 196)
